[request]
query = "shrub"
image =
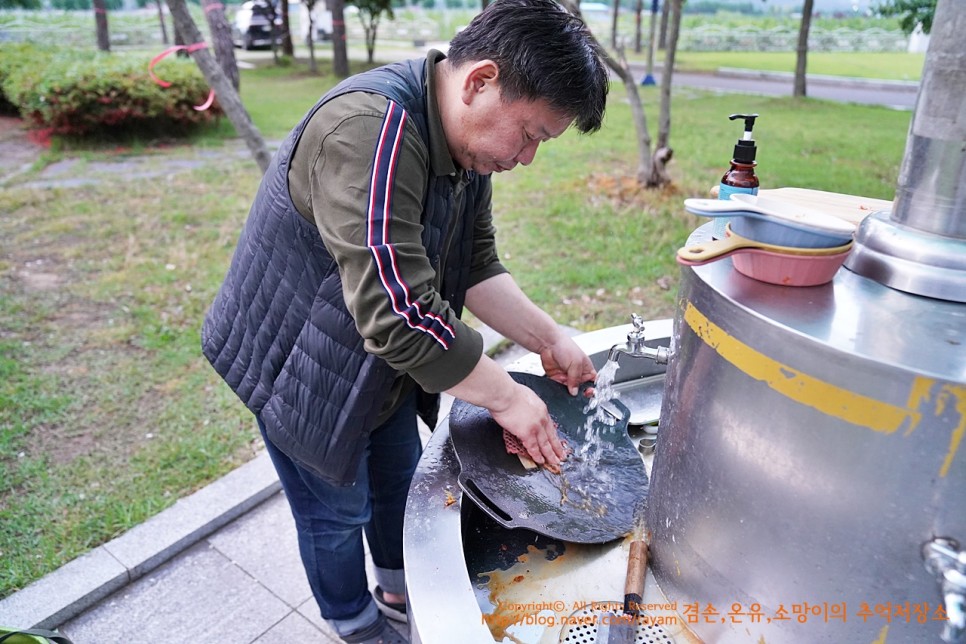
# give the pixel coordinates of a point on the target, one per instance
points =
(15, 59)
(90, 93)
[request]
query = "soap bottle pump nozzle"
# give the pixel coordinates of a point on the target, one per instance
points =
(746, 149)
(749, 122)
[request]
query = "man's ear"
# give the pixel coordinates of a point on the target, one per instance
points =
(479, 77)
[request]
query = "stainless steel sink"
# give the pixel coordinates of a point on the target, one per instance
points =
(469, 579)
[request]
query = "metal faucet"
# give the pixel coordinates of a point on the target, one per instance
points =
(635, 346)
(947, 561)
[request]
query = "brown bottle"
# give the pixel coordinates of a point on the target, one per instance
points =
(740, 177)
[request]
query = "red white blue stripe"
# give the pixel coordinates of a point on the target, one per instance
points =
(378, 218)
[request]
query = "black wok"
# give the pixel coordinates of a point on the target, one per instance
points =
(585, 503)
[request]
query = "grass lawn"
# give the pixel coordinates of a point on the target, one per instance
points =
(108, 412)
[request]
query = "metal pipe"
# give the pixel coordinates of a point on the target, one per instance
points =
(920, 246)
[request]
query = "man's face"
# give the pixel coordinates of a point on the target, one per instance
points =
(494, 136)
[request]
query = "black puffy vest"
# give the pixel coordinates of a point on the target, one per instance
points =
(278, 331)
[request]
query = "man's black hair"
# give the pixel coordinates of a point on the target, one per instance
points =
(543, 52)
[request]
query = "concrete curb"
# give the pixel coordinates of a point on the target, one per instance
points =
(81, 583)
(869, 83)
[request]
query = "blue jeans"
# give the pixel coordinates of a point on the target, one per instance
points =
(330, 520)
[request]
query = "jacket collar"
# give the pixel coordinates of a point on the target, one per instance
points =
(440, 160)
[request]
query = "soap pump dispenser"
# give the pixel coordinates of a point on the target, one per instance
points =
(740, 177)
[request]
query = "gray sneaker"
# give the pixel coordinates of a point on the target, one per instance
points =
(379, 632)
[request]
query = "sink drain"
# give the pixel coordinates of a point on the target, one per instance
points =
(582, 629)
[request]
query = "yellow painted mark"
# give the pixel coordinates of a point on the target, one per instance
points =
(830, 399)
(919, 395)
(802, 388)
(882, 635)
(956, 393)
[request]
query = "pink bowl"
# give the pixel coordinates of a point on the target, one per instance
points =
(788, 270)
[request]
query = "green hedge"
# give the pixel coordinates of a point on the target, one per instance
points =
(91, 93)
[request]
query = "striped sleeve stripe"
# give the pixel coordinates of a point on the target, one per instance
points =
(378, 217)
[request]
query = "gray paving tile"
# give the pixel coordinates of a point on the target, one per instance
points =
(149, 544)
(200, 596)
(295, 629)
(310, 611)
(264, 544)
(63, 593)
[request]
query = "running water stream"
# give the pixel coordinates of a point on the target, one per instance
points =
(594, 480)
(599, 420)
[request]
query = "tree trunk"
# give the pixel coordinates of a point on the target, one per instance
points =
(649, 78)
(662, 149)
(274, 30)
(221, 39)
(645, 169)
(100, 24)
(638, 10)
(801, 54)
(228, 98)
(674, 30)
(665, 9)
(651, 171)
(340, 52)
(164, 28)
(179, 40)
(310, 39)
(371, 31)
(287, 48)
(613, 24)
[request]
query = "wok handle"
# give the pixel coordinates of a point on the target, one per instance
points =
(634, 582)
(476, 495)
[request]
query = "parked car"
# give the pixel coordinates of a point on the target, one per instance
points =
(321, 20)
(252, 26)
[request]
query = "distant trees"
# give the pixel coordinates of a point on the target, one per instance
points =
(652, 164)
(910, 12)
(370, 12)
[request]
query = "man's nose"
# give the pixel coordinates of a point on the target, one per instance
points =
(527, 154)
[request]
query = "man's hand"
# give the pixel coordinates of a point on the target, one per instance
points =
(565, 362)
(515, 407)
(527, 418)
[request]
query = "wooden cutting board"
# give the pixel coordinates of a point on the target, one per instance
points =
(851, 208)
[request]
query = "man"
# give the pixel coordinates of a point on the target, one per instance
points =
(339, 318)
